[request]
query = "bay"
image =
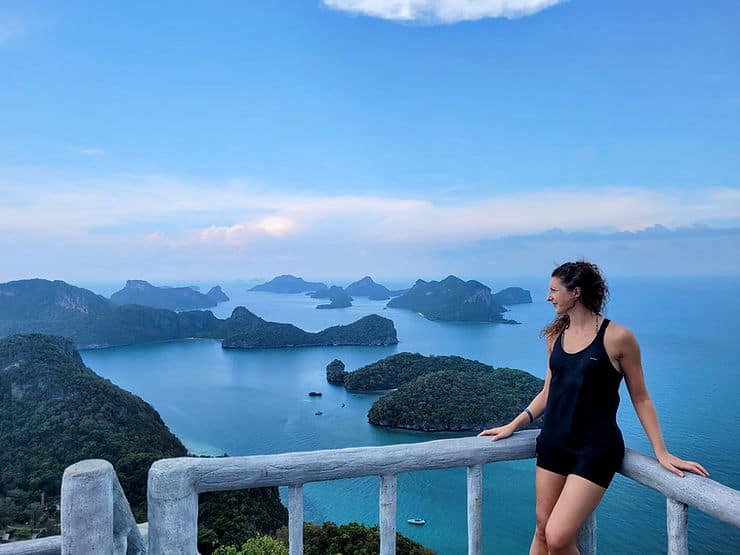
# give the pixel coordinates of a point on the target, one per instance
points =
(255, 402)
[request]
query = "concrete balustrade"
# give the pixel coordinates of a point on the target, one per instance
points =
(96, 515)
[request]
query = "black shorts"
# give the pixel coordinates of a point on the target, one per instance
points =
(595, 465)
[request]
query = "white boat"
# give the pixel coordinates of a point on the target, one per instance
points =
(417, 521)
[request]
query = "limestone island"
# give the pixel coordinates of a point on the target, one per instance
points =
(513, 295)
(335, 372)
(366, 287)
(337, 296)
(92, 321)
(452, 299)
(172, 298)
(289, 284)
(443, 393)
(252, 332)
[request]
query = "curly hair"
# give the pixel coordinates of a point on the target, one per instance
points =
(594, 292)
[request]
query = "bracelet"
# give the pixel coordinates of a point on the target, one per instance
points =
(531, 416)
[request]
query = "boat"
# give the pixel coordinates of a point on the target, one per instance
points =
(417, 521)
(314, 393)
(318, 413)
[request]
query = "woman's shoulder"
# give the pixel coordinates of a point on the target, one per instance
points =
(617, 334)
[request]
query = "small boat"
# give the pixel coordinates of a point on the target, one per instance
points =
(318, 413)
(417, 521)
(314, 393)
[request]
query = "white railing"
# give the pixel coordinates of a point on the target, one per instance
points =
(94, 519)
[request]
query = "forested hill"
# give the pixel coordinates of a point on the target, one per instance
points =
(54, 411)
(441, 393)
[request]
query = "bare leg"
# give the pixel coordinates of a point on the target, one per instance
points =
(578, 499)
(548, 486)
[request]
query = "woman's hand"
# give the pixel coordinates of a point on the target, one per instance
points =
(498, 433)
(675, 465)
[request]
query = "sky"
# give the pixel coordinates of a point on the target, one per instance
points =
(175, 141)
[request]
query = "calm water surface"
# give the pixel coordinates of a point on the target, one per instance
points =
(255, 402)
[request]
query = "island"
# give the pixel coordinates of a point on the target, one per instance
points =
(172, 298)
(366, 287)
(335, 372)
(443, 393)
(56, 412)
(289, 284)
(452, 299)
(252, 332)
(92, 321)
(513, 295)
(338, 298)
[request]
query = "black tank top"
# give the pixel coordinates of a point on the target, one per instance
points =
(583, 397)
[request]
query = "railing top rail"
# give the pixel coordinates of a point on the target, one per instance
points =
(232, 473)
(713, 498)
(171, 478)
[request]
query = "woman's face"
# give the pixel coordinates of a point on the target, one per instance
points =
(562, 300)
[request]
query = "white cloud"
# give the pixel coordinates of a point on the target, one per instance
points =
(441, 11)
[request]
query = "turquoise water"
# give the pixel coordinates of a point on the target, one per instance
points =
(255, 402)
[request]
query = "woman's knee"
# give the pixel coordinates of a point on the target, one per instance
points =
(541, 524)
(558, 537)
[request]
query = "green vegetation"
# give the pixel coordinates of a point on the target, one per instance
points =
(261, 545)
(335, 371)
(369, 330)
(455, 400)
(395, 370)
(57, 308)
(54, 411)
(443, 393)
(452, 299)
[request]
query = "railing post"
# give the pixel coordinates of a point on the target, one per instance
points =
(87, 508)
(587, 536)
(295, 519)
(475, 509)
(172, 508)
(388, 514)
(677, 517)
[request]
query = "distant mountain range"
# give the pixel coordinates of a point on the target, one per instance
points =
(90, 320)
(172, 298)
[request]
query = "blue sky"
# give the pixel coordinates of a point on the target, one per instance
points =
(343, 137)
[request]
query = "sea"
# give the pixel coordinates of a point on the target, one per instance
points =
(249, 402)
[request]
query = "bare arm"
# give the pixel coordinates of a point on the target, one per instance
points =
(536, 406)
(628, 355)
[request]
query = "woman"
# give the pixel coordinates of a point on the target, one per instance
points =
(580, 446)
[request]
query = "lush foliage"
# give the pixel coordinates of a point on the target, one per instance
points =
(350, 539)
(261, 545)
(54, 411)
(369, 330)
(335, 371)
(232, 518)
(457, 399)
(392, 371)
(451, 299)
